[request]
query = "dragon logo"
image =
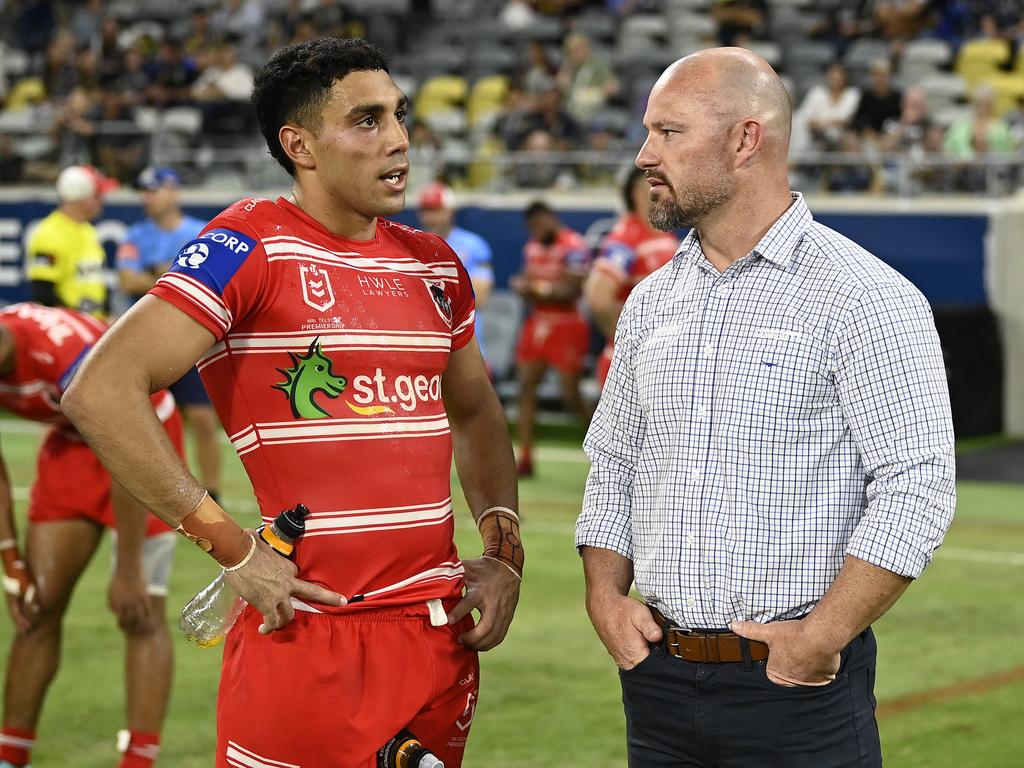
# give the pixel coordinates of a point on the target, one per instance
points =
(309, 374)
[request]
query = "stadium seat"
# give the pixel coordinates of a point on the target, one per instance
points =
(599, 27)
(937, 53)
(862, 53)
(184, 120)
(14, 62)
(944, 89)
(808, 53)
(493, 59)
(1009, 88)
(979, 58)
(644, 25)
(770, 52)
(441, 92)
(446, 122)
(407, 84)
(691, 25)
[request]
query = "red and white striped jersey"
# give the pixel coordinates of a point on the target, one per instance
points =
(50, 343)
(569, 254)
(326, 374)
(632, 251)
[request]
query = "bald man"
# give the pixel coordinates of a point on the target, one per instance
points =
(772, 455)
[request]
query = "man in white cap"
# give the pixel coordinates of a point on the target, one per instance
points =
(437, 215)
(65, 258)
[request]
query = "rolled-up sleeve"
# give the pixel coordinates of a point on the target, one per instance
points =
(613, 445)
(892, 387)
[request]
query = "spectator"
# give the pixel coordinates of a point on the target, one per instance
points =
(35, 26)
(550, 116)
(980, 133)
(86, 22)
(881, 102)
(74, 127)
(906, 132)
(172, 75)
(109, 55)
(586, 79)
(201, 40)
(739, 21)
(134, 80)
(900, 20)
(59, 72)
(534, 168)
(825, 111)
(223, 91)
(541, 72)
(851, 176)
(243, 19)
(118, 146)
(512, 123)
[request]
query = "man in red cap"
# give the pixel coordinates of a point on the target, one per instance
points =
(437, 215)
(65, 258)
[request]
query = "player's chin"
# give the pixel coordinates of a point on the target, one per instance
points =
(391, 204)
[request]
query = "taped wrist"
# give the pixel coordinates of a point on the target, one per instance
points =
(16, 577)
(499, 528)
(214, 531)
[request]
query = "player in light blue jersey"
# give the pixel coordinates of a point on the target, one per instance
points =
(437, 215)
(146, 253)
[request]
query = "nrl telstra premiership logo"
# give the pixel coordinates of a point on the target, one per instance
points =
(317, 291)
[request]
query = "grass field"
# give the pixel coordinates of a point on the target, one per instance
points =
(951, 663)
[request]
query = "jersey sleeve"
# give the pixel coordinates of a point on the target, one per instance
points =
(615, 259)
(578, 256)
(45, 261)
(463, 309)
(217, 278)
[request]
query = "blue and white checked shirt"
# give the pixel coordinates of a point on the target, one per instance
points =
(760, 424)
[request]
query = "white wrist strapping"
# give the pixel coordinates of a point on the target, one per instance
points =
(8, 544)
(244, 560)
(492, 510)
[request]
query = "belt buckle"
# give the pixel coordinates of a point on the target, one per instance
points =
(673, 648)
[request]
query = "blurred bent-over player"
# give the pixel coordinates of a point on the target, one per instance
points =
(64, 255)
(630, 252)
(437, 215)
(148, 249)
(72, 501)
(339, 353)
(555, 263)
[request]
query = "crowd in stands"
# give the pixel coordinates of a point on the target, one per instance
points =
(499, 85)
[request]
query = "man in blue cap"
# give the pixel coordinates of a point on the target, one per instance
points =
(146, 253)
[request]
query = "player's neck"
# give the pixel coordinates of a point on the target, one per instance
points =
(345, 223)
(169, 221)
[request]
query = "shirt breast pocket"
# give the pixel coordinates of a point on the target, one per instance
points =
(777, 388)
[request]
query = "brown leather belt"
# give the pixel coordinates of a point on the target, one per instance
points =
(707, 647)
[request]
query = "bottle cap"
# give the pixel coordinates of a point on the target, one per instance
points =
(292, 522)
(430, 761)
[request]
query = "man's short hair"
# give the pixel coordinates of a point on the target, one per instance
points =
(295, 84)
(536, 208)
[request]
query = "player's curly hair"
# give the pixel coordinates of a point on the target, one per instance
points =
(295, 83)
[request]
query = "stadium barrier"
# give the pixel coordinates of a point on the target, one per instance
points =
(963, 253)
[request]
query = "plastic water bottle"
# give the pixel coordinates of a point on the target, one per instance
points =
(404, 750)
(209, 616)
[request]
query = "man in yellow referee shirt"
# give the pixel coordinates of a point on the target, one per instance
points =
(65, 258)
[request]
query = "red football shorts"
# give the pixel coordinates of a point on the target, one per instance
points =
(71, 483)
(559, 339)
(604, 364)
(329, 691)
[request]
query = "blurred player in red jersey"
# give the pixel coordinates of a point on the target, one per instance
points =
(72, 501)
(555, 263)
(629, 253)
(338, 350)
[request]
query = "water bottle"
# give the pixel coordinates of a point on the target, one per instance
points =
(209, 616)
(404, 750)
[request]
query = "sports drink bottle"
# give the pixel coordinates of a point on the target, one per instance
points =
(404, 750)
(209, 616)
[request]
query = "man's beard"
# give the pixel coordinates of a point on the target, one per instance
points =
(668, 213)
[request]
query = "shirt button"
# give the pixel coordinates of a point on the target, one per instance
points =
(709, 350)
(691, 602)
(724, 289)
(695, 474)
(702, 412)
(690, 539)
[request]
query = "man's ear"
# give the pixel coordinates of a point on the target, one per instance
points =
(749, 140)
(297, 144)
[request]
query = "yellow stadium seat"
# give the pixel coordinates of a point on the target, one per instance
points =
(1009, 88)
(979, 58)
(450, 89)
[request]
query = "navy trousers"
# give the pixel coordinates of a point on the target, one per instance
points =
(682, 714)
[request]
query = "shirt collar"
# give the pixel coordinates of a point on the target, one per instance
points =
(778, 243)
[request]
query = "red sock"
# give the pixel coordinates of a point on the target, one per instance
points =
(139, 749)
(16, 745)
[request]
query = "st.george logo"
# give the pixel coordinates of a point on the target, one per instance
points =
(193, 255)
(317, 291)
(310, 373)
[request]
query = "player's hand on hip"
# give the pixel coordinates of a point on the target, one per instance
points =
(493, 589)
(267, 582)
(795, 656)
(128, 599)
(625, 626)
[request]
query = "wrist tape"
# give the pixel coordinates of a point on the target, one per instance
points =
(214, 531)
(499, 528)
(16, 580)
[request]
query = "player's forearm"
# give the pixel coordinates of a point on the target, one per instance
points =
(8, 530)
(606, 316)
(130, 524)
(136, 283)
(484, 458)
(861, 593)
(117, 419)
